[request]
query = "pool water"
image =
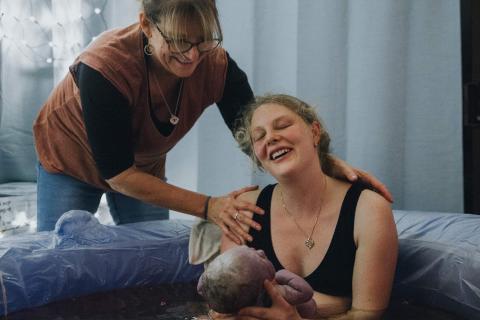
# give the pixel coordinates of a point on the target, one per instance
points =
(178, 301)
(172, 302)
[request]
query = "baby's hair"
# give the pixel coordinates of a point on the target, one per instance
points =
(225, 287)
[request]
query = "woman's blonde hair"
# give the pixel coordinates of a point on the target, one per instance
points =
(174, 16)
(302, 109)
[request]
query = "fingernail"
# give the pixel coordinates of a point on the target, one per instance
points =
(258, 227)
(250, 239)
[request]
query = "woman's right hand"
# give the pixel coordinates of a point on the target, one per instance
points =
(230, 214)
(280, 309)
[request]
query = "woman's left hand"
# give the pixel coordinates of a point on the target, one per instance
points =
(228, 212)
(280, 309)
(344, 170)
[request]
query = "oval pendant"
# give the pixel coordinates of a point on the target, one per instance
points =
(309, 243)
(174, 119)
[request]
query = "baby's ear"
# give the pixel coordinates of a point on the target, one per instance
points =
(201, 285)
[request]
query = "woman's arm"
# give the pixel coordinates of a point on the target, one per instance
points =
(237, 94)
(148, 188)
(376, 257)
(107, 120)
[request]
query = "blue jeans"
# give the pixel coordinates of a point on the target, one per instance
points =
(59, 193)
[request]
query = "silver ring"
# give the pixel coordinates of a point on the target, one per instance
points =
(236, 216)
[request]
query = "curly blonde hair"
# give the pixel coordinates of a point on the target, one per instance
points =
(301, 108)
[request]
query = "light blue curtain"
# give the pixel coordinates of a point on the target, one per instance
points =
(38, 41)
(383, 74)
(25, 80)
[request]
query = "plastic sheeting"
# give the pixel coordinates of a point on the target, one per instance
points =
(438, 265)
(81, 256)
(439, 261)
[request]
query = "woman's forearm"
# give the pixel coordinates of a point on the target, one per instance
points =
(356, 314)
(148, 188)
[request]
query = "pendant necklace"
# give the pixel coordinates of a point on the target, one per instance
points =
(173, 115)
(309, 242)
(174, 119)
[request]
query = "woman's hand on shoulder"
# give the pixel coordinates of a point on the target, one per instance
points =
(343, 170)
(280, 309)
(233, 213)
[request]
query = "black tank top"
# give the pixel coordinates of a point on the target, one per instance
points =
(334, 274)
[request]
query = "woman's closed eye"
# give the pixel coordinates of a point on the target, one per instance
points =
(283, 124)
(257, 136)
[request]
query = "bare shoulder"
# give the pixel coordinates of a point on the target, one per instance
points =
(373, 202)
(373, 213)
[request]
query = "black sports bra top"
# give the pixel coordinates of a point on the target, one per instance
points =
(334, 274)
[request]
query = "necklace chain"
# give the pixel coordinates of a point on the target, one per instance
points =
(173, 115)
(174, 119)
(309, 242)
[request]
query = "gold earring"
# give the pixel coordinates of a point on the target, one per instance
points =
(148, 48)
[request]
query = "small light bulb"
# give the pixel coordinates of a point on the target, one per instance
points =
(97, 10)
(49, 60)
(50, 44)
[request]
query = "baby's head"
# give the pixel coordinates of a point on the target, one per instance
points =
(234, 279)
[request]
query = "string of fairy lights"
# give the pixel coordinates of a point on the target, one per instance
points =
(43, 38)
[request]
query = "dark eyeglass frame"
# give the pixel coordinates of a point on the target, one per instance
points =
(171, 41)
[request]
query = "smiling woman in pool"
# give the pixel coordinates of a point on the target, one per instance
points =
(340, 237)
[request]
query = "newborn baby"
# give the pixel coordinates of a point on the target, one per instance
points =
(234, 280)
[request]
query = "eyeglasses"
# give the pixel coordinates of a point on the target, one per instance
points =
(183, 46)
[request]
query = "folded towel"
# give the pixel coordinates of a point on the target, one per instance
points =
(204, 243)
